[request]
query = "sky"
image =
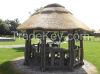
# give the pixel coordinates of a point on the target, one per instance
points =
(87, 11)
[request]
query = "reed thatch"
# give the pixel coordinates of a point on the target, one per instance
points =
(52, 17)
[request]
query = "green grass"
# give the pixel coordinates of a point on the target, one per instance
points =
(91, 54)
(18, 41)
(7, 55)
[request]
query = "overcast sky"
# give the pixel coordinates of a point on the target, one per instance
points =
(88, 11)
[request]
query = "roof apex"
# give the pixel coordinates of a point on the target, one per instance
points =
(54, 5)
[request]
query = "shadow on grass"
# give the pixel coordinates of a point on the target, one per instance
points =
(6, 68)
(19, 49)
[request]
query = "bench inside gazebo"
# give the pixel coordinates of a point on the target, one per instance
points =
(48, 54)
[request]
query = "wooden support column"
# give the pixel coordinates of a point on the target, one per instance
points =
(42, 50)
(81, 51)
(60, 38)
(73, 46)
(52, 57)
(62, 55)
(27, 52)
(71, 50)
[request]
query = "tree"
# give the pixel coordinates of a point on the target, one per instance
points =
(7, 26)
(11, 25)
(2, 28)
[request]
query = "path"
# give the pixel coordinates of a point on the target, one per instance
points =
(11, 46)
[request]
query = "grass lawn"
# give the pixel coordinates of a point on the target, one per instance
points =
(17, 42)
(5, 56)
(91, 51)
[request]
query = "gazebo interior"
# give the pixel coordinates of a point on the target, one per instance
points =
(54, 24)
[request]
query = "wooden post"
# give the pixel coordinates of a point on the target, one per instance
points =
(73, 45)
(71, 50)
(42, 50)
(62, 55)
(27, 52)
(81, 50)
(60, 38)
(52, 57)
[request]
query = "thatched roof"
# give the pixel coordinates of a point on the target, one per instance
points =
(52, 17)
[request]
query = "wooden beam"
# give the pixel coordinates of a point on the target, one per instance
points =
(52, 57)
(71, 50)
(81, 50)
(43, 50)
(62, 57)
(27, 52)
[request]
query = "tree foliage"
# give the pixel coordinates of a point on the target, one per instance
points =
(8, 26)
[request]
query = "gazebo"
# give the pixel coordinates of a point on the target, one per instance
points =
(51, 18)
